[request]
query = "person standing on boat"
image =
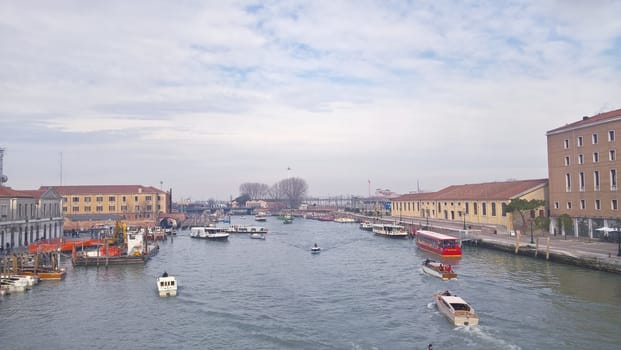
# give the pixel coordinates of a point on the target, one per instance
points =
(430, 347)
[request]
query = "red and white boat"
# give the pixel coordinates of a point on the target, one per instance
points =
(438, 243)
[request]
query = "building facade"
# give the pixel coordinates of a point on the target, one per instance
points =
(27, 216)
(583, 167)
(93, 203)
(481, 204)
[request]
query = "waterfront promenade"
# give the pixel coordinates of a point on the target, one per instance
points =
(580, 251)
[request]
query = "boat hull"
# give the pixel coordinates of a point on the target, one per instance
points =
(434, 270)
(456, 317)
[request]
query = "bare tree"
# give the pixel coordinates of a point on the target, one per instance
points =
(254, 190)
(293, 190)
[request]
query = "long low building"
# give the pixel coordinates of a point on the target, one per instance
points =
(481, 204)
(27, 216)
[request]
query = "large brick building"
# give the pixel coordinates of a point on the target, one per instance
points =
(583, 167)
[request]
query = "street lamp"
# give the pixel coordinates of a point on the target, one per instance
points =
(464, 213)
(531, 232)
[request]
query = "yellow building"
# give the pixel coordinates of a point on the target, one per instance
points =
(480, 204)
(113, 202)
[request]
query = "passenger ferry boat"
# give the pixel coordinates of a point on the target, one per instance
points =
(246, 229)
(390, 230)
(438, 243)
(209, 232)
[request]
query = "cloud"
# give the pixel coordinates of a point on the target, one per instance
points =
(446, 93)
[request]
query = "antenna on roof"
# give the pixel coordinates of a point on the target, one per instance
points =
(3, 178)
(61, 168)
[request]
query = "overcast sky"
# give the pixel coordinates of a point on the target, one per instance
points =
(202, 96)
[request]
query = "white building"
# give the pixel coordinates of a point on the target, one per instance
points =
(27, 216)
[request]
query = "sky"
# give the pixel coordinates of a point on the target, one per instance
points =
(202, 96)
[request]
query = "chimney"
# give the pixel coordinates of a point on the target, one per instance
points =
(585, 117)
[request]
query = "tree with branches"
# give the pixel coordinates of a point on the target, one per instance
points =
(525, 207)
(254, 190)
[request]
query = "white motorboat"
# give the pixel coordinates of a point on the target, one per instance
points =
(344, 220)
(261, 217)
(257, 235)
(367, 226)
(456, 309)
(167, 285)
(390, 230)
(30, 280)
(209, 232)
(438, 269)
(315, 249)
(246, 229)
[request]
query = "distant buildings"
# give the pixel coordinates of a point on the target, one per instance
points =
(26, 216)
(584, 165)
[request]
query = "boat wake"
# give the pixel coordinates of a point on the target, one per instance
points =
(486, 336)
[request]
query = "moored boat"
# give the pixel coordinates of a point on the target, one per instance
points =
(456, 309)
(438, 269)
(134, 250)
(344, 220)
(167, 285)
(390, 230)
(261, 217)
(367, 226)
(257, 236)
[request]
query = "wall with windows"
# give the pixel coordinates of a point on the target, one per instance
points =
(132, 205)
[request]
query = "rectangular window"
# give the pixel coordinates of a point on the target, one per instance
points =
(99, 209)
(123, 208)
(566, 144)
(467, 208)
(493, 209)
(613, 179)
(614, 205)
(149, 208)
(99, 199)
(112, 199)
(579, 141)
(581, 177)
(112, 208)
(595, 157)
(582, 204)
(597, 205)
(568, 205)
(75, 199)
(567, 183)
(87, 209)
(475, 207)
(148, 198)
(135, 198)
(611, 154)
(75, 209)
(136, 208)
(596, 181)
(124, 199)
(567, 161)
(87, 199)
(504, 209)
(483, 208)
(611, 135)
(580, 159)
(556, 206)
(594, 139)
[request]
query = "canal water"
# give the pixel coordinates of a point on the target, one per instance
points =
(361, 292)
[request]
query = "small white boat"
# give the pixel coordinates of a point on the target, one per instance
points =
(438, 269)
(456, 309)
(367, 226)
(261, 217)
(209, 232)
(344, 220)
(315, 249)
(257, 236)
(167, 285)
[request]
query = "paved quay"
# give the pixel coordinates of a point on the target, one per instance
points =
(579, 251)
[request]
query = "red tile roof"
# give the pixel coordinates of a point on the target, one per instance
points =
(103, 189)
(7, 192)
(485, 191)
(587, 121)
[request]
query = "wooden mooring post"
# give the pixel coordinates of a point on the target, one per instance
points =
(548, 249)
